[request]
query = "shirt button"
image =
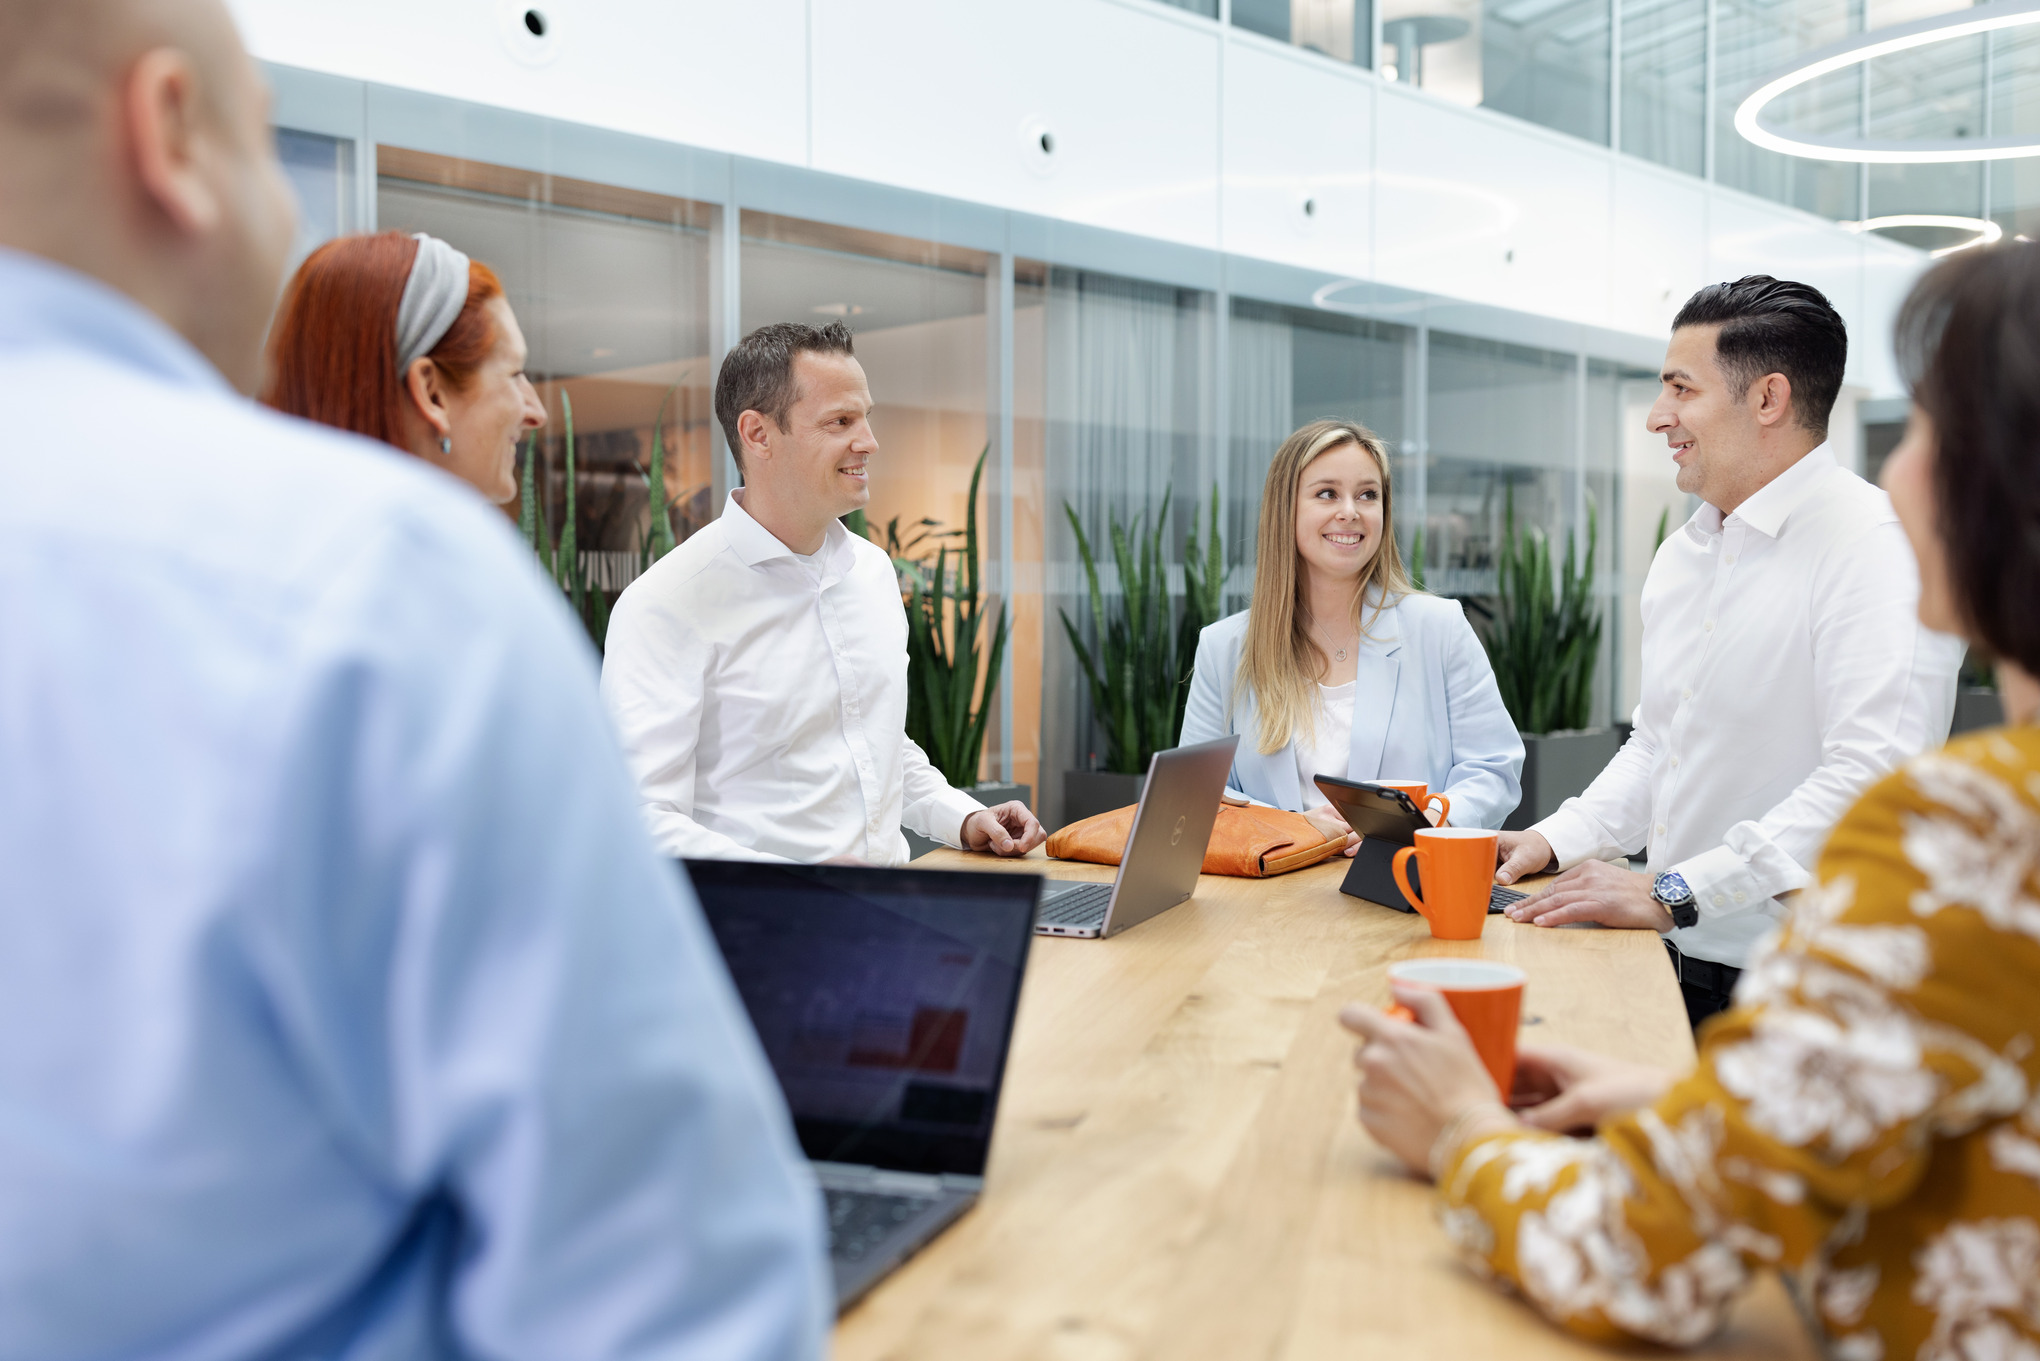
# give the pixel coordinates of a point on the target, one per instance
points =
(1729, 561)
(1660, 829)
(1687, 693)
(1675, 763)
(1708, 626)
(1719, 900)
(1738, 895)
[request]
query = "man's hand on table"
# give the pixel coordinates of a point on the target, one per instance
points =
(1566, 1090)
(1521, 853)
(1008, 830)
(1595, 892)
(1421, 1080)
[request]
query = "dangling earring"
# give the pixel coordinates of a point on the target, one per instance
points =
(446, 445)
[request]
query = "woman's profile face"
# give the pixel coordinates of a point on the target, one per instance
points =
(1909, 479)
(489, 417)
(1338, 512)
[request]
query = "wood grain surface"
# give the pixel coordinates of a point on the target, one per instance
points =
(1177, 1172)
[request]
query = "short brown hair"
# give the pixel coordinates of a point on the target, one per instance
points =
(333, 346)
(757, 373)
(1969, 345)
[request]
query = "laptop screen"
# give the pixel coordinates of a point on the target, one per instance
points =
(884, 999)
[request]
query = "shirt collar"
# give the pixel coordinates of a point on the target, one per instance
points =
(1773, 503)
(51, 305)
(755, 544)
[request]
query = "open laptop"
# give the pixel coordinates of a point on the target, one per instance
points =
(885, 1001)
(1164, 852)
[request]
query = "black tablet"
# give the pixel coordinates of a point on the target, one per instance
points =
(1373, 810)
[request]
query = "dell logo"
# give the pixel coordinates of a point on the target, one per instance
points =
(1176, 833)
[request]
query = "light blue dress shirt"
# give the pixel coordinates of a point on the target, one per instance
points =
(1425, 707)
(345, 1010)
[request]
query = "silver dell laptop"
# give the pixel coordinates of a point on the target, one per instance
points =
(1164, 852)
(884, 999)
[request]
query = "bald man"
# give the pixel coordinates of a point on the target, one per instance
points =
(345, 1010)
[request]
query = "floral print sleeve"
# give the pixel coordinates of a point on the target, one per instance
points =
(1863, 1119)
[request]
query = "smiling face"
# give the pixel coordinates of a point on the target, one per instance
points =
(1713, 431)
(1338, 513)
(489, 416)
(822, 459)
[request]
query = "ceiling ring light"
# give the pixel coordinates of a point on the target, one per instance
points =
(1986, 18)
(1986, 230)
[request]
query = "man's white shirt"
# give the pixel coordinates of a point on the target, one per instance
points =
(762, 701)
(1784, 671)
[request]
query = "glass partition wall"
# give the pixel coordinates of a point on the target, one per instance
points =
(1084, 391)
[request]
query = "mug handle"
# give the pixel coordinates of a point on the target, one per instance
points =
(1443, 813)
(1400, 866)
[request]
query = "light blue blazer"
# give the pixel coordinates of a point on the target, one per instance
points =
(1425, 706)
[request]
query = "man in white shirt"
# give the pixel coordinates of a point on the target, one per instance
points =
(1784, 668)
(345, 1009)
(758, 672)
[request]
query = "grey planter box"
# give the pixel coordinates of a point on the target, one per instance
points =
(1088, 792)
(1558, 765)
(1976, 708)
(990, 795)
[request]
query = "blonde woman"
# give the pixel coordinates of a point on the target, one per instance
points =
(1341, 666)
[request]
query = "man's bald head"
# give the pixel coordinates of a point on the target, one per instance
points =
(134, 147)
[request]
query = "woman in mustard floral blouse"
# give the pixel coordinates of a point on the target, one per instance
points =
(1867, 1117)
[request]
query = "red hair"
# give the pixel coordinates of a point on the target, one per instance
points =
(333, 346)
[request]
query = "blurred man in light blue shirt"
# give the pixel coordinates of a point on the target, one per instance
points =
(345, 1010)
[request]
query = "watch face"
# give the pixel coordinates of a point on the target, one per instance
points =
(1670, 888)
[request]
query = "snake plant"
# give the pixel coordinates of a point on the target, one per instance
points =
(1545, 639)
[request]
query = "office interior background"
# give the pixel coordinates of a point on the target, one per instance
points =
(1122, 247)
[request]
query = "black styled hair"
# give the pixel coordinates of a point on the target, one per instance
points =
(1776, 326)
(1969, 347)
(757, 373)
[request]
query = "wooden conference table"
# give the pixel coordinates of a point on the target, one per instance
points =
(1177, 1171)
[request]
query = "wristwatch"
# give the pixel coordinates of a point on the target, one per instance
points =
(1670, 889)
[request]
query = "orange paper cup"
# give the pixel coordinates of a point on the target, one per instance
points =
(1486, 997)
(1420, 795)
(1457, 866)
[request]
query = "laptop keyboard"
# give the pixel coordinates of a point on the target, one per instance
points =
(860, 1220)
(1077, 906)
(1499, 898)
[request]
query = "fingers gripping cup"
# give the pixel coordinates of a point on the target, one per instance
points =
(1419, 793)
(1457, 867)
(1486, 997)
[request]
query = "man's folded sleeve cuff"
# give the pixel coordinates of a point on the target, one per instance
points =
(941, 816)
(1723, 883)
(1574, 836)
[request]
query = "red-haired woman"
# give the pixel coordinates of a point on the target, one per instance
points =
(406, 340)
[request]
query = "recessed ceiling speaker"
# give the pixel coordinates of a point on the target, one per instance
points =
(1038, 145)
(530, 32)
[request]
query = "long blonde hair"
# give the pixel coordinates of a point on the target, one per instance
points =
(1281, 662)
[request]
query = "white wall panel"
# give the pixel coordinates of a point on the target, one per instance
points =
(1469, 205)
(953, 99)
(1889, 272)
(1298, 128)
(1658, 255)
(688, 71)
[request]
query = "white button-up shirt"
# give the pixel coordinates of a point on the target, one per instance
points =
(1784, 671)
(762, 701)
(345, 1010)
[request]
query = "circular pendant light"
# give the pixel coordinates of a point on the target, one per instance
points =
(1986, 230)
(1883, 42)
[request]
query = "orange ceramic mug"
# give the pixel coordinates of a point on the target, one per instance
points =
(1419, 793)
(1486, 997)
(1457, 865)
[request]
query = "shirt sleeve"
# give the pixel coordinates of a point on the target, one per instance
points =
(1885, 689)
(1612, 818)
(1876, 1023)
(654, 679)
(1486, 780)
(519, 1010)
(929, 804)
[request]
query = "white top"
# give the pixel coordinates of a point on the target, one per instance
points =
(764, 709)
(344, 1007)
(1784, 671)
(1330, 751)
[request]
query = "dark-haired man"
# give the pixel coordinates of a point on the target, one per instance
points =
(758, 672)
(1784, 669)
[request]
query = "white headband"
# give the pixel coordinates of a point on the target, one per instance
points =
(433, 297)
